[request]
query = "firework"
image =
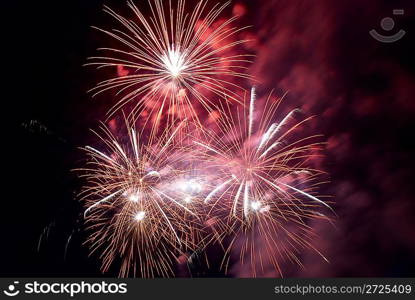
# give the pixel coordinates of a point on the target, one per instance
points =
(136, 213)
(172, 62)
(265, 187)
(161, 194)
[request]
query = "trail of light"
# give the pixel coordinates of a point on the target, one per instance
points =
(210, 148)
(246, 199)
(101, 201)
(165, 146)
(101, 154)
(269, 149)
(236, 199)
(266, 137)
(174, 201)
(135, 145)
(306, 194)
(168, 221)
(251, 111)
(151, 173)
(279, 126)
(120, 150)
(217, 189)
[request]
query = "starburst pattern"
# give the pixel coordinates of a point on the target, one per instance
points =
(265, 185)
(135, 212)
(173, 60)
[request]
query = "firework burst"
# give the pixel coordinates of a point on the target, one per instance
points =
(158, 195)
(135, 212)
(172, 61)
(265, 191)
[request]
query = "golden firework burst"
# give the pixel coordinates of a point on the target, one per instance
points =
(172, 61)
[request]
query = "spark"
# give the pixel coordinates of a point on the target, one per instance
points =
(133, 198)
(251, 110)
(217, 189)
(255, 205)
(308, 195)
(100, 201)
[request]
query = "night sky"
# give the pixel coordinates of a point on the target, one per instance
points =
(319, 51)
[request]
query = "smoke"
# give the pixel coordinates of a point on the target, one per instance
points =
(361, 90)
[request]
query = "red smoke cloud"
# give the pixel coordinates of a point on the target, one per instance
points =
(361, 91)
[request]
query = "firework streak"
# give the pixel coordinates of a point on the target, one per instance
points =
(135, 212)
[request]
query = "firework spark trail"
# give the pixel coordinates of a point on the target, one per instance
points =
(251, 111)
(130, 212)
(173, 60)
(266, 188)
(217, 189)
(101, 201)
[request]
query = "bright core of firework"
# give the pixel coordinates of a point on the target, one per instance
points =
(140, 216)
(191, 186)
(173, 58)
(174, 62)
(256, 205)
(133, 198)
(188, 199)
